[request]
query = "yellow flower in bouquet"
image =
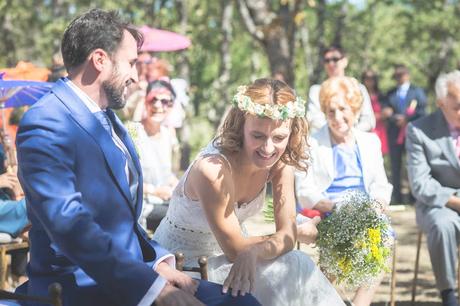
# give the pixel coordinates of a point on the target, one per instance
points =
(355, 241)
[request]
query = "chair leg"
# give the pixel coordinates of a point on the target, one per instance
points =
(417, 258)
(393, 276)
(3, 268)
(55, 291)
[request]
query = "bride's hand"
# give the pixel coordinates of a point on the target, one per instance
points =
(307, 231)
(242, 274)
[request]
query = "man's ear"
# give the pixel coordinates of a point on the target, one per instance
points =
(99, 59)
(439, 102)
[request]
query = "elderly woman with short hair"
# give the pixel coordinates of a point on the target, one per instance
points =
(342, 158)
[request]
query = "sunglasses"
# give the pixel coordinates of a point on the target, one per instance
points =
(164, 102)
(331, 59)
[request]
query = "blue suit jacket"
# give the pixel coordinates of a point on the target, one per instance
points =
(84, 233)
(392, 100)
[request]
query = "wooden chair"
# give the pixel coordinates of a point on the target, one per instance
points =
(54, 297)
(202, 262)
(417, 261)
(5, 248)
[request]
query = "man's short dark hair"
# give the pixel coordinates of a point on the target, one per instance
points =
(92, 30)
(334, 48)
(400, 69)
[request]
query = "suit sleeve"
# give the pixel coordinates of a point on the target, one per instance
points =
(46, 157)
(425, 188)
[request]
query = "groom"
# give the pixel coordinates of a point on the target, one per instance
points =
(83, 183)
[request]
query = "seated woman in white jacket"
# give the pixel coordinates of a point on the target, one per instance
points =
(342, 158)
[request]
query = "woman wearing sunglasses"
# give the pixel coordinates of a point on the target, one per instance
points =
(335, 62)
(155, 143)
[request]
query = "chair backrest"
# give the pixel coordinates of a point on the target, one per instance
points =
(53, 298)
(202, 262)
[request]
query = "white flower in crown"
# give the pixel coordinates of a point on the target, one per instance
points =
(258, 109)
(289, 110)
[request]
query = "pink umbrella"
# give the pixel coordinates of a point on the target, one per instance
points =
(156, 40)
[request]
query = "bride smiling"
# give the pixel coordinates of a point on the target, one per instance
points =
(262, 140)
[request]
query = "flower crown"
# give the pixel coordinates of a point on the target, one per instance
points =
(273, 111)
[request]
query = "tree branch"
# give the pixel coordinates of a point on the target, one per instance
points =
(249, 22)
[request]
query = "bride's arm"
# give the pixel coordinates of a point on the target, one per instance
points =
(283, 240)
(211, 182)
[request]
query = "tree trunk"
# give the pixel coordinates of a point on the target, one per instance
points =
(183, 62)
(275, 31)
(221, 83)
(315, 77)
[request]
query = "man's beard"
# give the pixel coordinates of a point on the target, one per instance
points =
(114, 91)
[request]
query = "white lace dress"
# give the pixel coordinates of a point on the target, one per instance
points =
(290, 279)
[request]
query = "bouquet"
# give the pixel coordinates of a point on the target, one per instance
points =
(355, 241)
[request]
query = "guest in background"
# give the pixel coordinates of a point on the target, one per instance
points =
(342, 158)
(13, 218)
(57, 68)
(403, 103)
(155, 143)
(335, 62)
(136, 94)
(370, 80)
(433, 151)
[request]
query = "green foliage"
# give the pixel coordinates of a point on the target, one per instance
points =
(202, 132)
(377, 34)
(269, 212)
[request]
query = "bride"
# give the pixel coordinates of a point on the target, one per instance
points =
(262, 140)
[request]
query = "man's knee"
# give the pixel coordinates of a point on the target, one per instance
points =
(443, 229)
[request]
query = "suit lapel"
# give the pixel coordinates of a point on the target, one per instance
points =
(82, 115)
(444, 140)
(409, 97)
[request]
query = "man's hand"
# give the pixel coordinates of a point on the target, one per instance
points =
(386, 113)
(177, 278)
(454, 203)
(307, 231)
(173, 296)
